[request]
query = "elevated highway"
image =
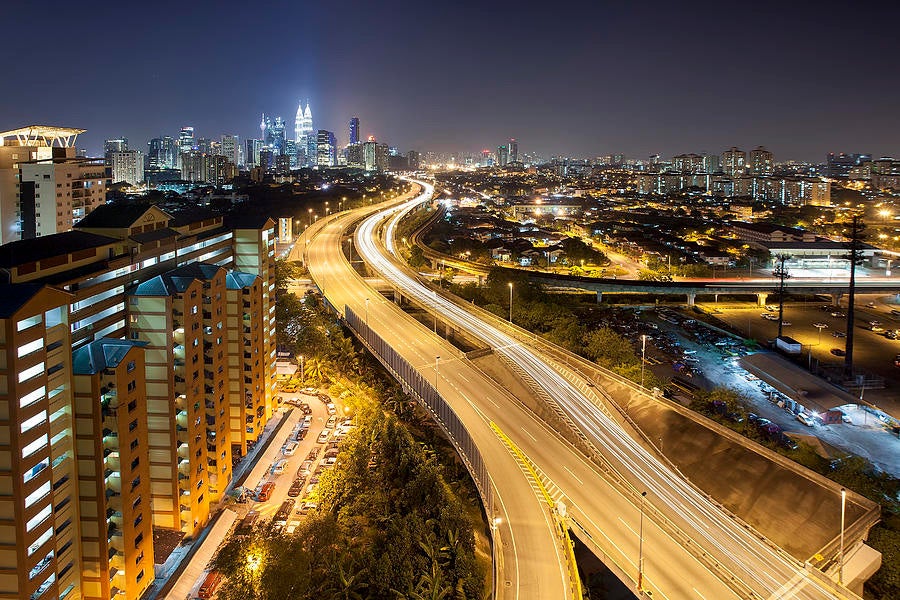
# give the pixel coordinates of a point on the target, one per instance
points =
(694, 548)
(690, 288)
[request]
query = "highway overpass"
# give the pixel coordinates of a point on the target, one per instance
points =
(698, 549)
(690, 288)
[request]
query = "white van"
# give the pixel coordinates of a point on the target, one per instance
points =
(279, 467)
(289, 448)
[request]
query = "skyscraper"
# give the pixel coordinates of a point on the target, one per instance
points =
(325, 148)
(161, 154)
(117, 145)
(303, 136)
(186, 139)
(230, 148)
(502, 156)
(274, 135)
(354, 130)
(369, 153)
(513, 150)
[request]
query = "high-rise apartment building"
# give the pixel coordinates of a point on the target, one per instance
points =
(29, 144)
(144, 357)
(687, 163)
(126, 166)
(762, 162)
(110, 409)
(39, 492)
(326, 148)
(230, 145)
(251, 158)
(734, 162)
(354, 130)
(413, 159)
(56, 193)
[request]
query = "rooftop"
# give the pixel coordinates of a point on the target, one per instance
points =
(101, 354)
(43, 135)
(114, 216)
(14, 296)
(20, 252)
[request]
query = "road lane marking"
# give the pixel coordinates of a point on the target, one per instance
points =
(572, 474)
(529, 435)
(698, 593)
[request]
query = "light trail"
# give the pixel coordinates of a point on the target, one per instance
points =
(757, 564)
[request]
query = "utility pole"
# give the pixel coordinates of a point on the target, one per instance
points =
(855, 257)
(781, 273)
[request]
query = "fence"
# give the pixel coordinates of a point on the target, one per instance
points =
(420, 388)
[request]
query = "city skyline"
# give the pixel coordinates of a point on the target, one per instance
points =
(632, 80)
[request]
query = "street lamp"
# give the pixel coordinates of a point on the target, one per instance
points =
(302, 374)
(640, 581)
(309, 211)
(843, 513)
(643, 356)
(510, 301)
(437, 360)
(367, 313)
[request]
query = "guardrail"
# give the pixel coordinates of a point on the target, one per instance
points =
(558, 518)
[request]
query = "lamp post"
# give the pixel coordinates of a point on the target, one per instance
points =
(843, 513)
(643, 356)
(302, 374)
(437, 360)
(367, 313)
(309, 211)
(640, 581)
(510, 301)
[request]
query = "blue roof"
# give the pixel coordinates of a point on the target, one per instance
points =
(237, 280)
(105, 353)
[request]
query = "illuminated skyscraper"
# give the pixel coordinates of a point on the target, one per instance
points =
(354, 130)
(502, 156)
(513, 150)
(325, 148)
(304, 136)
(161, 154)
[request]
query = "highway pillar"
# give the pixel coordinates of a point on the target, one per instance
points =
(398, 298)
(691, 298)
(762, 299)
(836, 298)
(599, 297)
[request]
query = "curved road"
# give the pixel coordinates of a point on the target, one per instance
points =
(751, 566)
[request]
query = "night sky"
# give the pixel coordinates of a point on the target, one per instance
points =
(575, 78)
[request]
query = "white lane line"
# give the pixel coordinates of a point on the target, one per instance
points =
(572, 474)
(529, 435)
(628, 526)
(698, 593)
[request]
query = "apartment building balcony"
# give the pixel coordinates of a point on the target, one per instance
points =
(181, 420)
(111, 461)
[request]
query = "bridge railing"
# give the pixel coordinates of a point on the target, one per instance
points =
(422, 389)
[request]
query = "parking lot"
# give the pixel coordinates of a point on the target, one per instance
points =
(285, 486)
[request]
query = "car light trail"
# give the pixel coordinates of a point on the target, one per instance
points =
(757, 564)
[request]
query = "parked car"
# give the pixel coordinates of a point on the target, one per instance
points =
(838, 314)
(838, 352)
(289, 449)
(297, 487)
(265, 492)
(323, 437)
(838, 334)
(806, 419)
(330, 408)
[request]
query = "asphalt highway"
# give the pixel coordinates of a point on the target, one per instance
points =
(751, 566)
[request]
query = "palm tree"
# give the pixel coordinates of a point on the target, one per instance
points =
(350, 584)
(316, 369)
